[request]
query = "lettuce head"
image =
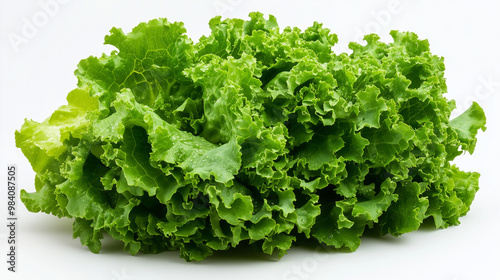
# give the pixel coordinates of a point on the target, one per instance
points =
(253, 135)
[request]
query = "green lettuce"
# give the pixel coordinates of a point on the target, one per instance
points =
(252, 135)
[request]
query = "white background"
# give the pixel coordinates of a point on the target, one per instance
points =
(36, 73)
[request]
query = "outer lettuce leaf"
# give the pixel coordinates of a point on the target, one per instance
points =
(467, 125)
(253, 134)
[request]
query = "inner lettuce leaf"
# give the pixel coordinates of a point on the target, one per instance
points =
(253, 135)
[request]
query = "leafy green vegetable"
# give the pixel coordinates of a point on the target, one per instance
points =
(253, 134)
